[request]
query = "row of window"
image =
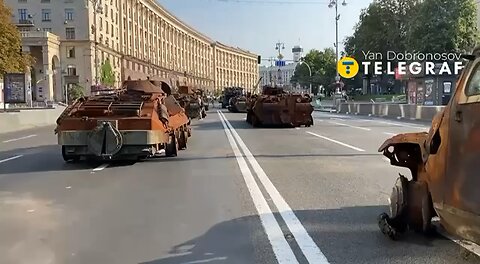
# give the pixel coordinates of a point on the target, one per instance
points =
(46, 14)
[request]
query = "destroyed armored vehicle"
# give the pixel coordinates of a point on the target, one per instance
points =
(238, 104)
(275, 107)
(444, 167)
(138, 121)
(228, 93)
(191, 100)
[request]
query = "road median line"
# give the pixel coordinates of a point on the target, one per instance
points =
(280, 246)
(309, 248)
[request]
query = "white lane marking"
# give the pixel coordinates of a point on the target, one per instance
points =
(390, 134)
(338, 119)
(336, 141)
(101, 167)
(342, 124)
(20, 138)
(297, 128)
(205, 260)
(401, 124)
(310, 250)
(280, 246)
(11, 158)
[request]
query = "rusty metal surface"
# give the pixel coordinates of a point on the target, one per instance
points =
(191, 99)
(276, 107)
(141, 105)
(447, 159)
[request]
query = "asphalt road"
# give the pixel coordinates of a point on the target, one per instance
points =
(236, 195)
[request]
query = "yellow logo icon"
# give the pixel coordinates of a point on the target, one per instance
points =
(348, 67)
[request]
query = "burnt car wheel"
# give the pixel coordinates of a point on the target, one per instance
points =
(171, 149)
(396, 223)
(182, 140)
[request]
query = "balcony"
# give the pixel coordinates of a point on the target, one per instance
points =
(25, 23)
(35, 38)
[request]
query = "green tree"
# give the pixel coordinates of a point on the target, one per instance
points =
(75, 92)
(107, 74)
(11, 57)
(444, 26)
(322, 64)
(382, 27)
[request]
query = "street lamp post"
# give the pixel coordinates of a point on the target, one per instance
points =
(97, 8)
(334, 3)
(310, 71)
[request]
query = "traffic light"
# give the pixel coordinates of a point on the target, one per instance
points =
(259, 59)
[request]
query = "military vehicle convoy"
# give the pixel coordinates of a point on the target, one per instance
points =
(138, 121)
(275, 107)
(444, 167)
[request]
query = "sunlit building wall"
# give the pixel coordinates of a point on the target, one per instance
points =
(137, 37)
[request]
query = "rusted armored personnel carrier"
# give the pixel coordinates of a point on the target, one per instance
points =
(191, 100)
(135, 122)
(444, 167)
(277, 107)
(229, 93)
(238, 104)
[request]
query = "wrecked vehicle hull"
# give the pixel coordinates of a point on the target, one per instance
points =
(238, 104)
(133, 123)
(277, 108)
(443, 165)
(191, 100)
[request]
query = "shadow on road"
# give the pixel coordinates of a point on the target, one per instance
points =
(45, 158)
(346, 235)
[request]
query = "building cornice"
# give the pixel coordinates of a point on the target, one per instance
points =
(162, 68)
(154, 6)
(224, 47)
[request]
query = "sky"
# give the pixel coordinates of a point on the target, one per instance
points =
(257, 25)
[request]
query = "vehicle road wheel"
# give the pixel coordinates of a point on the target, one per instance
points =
(182, 140)
(171, 150)
(69, 158)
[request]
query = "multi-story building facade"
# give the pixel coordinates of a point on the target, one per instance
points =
(277, 75)
(71, 39)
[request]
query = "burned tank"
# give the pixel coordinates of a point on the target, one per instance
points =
(238, 104)
(138, 121)
(275, 107)
(191, 100)
(229, 93)
(443, 165)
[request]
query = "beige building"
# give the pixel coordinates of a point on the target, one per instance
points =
(137, 37)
